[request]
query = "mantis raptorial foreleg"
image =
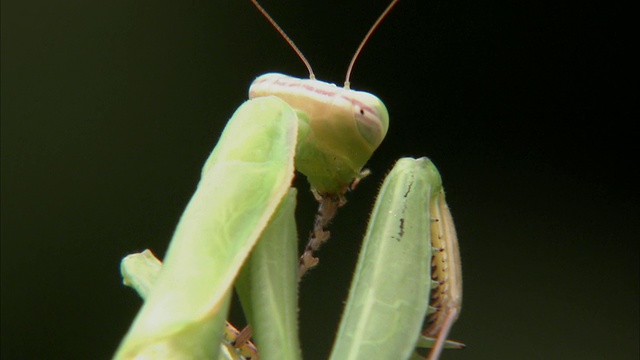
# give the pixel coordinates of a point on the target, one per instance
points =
(410, 232)
(245, 180)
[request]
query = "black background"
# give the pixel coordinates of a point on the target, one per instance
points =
(109, 109)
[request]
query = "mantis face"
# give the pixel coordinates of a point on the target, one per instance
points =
(339, 128)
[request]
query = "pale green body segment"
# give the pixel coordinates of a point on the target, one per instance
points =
(339, 128)
(243, 181)
(389, 293)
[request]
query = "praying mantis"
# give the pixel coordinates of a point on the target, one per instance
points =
(238, 230)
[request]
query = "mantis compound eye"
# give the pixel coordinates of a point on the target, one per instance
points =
(371, 117)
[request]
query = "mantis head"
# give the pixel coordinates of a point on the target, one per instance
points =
(339, 128)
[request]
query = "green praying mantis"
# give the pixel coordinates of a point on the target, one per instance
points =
(238, 230)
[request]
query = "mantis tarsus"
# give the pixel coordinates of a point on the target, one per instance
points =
(244, 202)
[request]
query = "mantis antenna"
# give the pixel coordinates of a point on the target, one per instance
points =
(364, 41)
(304, 59)
(286, 38)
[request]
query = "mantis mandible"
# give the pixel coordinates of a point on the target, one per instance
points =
(238, 229)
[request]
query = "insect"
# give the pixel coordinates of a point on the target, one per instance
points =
(239, 230)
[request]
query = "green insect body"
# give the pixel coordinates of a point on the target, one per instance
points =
(408, 275)
(410, 206)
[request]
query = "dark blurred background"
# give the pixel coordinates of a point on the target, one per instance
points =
(110, 108)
